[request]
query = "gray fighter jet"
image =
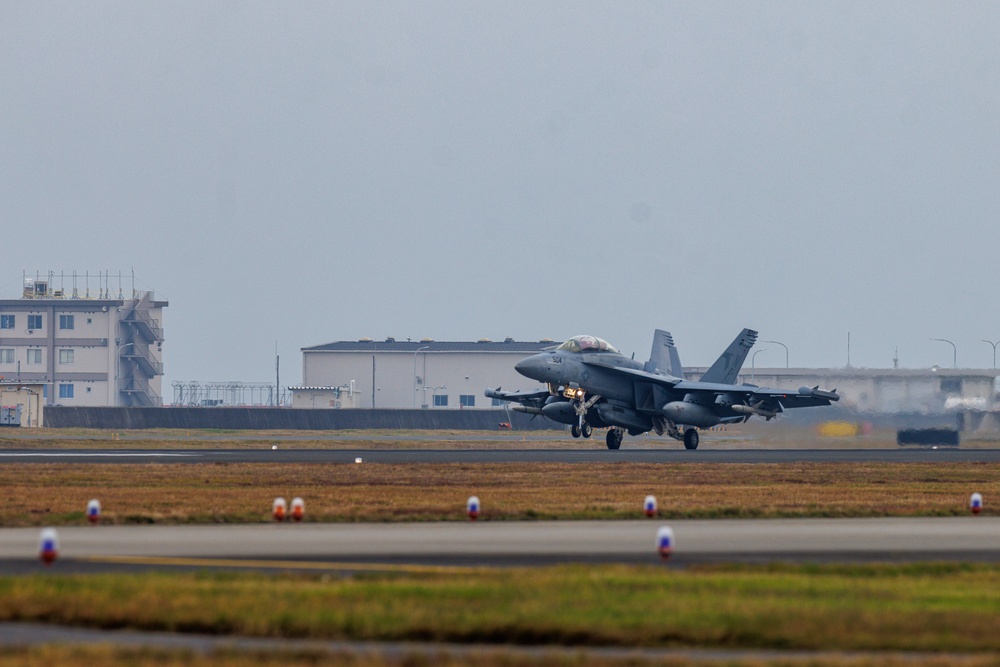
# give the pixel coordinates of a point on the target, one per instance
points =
(592, 385)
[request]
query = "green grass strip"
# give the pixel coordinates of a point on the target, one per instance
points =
(921, 607)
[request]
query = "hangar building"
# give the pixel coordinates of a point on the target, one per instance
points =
(411, 374)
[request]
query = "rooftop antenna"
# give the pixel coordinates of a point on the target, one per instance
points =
(895, 358)
(87, 283)
(76, 293)
(848, 349)
(120, 294)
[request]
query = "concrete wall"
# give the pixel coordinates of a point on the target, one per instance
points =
(285, 418)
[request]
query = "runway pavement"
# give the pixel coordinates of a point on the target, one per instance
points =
(597, 454)
(430, 546)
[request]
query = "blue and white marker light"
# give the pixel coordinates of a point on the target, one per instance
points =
(48, 545)
(649, 506)
(94, 511)
(665, 541)
(976, 503)
(472, 507)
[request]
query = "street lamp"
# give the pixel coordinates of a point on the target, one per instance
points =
(994, 350)
(954, 350)
(434, 392)
(415, 373)
(753, 362)
(782, 345)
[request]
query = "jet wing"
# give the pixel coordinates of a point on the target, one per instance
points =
(608, 362)
(531, 399)
(778, 399)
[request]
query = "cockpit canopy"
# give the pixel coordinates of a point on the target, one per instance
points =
(587, 344)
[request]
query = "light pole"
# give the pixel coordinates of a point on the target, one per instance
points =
(753, 362)
(782, 345)
(415, 373)
(954, 363)
(434, 392)
(117, 364)
(994, 350)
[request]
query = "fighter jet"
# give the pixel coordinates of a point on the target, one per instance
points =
(590, 384)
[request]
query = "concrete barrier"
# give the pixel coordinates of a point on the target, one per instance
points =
(287, 419)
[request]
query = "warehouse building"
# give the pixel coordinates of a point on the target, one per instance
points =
(428, 374)
(84, 347)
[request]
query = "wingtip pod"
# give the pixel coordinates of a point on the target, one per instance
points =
(665, 542)
(976, 503)
(48, 545)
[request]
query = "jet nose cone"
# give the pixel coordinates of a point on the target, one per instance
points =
(530, 367)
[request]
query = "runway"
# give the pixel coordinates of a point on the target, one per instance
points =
(669, 454)
(431, 546)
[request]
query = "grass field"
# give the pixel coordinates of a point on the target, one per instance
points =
(926, 607)
(57, 494)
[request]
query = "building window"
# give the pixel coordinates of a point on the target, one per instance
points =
(441, 401)
(7, 356)
(34, 321)
(65, 321)
(65, 391)
(45, 391)
(34, 356)
(65, 356)
(496, 402)
(951, 385)
(467, 400)
(6, 321)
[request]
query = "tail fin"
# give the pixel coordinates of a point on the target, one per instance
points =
(664, 355)
(727, 367)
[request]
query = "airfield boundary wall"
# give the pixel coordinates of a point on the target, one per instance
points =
(234, 418)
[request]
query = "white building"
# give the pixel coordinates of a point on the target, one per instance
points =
(85, 351)
(411, 374)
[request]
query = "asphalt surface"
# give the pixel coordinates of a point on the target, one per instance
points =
(442, 546)
(290, 454)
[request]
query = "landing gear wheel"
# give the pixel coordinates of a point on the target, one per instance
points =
(574, 430)
(587, 430)
(691, 439)
(615, 437)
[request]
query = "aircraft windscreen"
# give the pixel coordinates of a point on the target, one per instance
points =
(587, 344)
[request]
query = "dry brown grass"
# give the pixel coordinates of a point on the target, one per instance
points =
(56, 494)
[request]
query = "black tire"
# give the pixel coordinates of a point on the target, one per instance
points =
(691, 439)
(574, 430)
(614, 439)
(587, 430)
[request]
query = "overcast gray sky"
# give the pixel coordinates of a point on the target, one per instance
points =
(308, 172)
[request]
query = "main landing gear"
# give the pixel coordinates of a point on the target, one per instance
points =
(691, 439)
(615, 436)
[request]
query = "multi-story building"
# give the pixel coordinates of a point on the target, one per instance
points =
(85, 351)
